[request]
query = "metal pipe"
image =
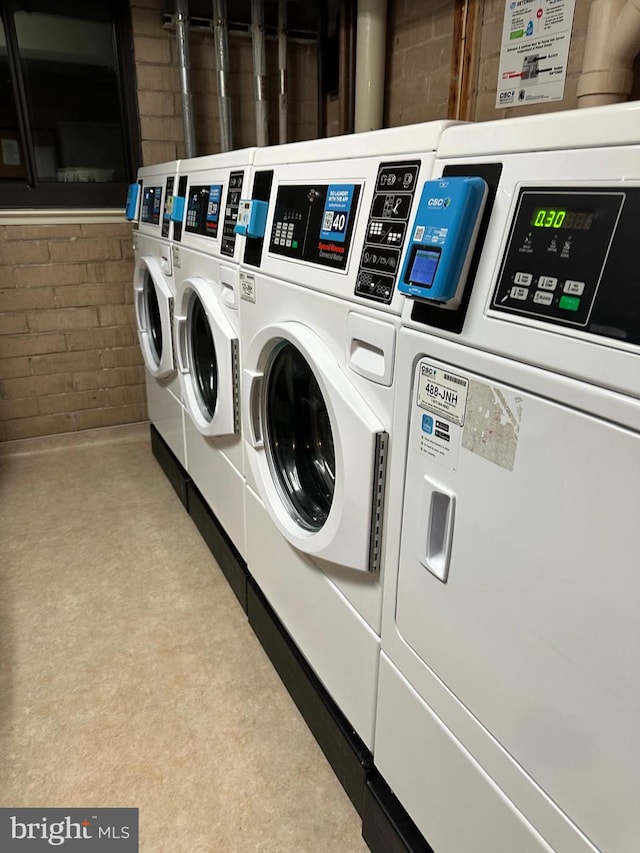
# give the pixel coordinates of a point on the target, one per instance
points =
(260, 72)
(613, 41)
(371, 44)
(220, 31)
(346, 65)
(282, 68)
(184, 65)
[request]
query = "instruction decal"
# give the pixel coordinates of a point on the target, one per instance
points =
(536, 36)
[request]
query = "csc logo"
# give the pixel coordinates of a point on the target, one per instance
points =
(439, 202)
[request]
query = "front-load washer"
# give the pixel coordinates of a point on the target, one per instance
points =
(149, 207)
(206, 251)
(509, 694)
(325, 229)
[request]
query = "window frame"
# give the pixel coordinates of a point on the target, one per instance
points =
(30, 192)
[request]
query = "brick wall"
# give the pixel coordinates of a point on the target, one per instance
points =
(418, 71)
(69, 356)
(159, 86)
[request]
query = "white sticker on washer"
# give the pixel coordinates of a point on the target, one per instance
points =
(439, 413)
(175, 253)
(442, 392)
(247, 286)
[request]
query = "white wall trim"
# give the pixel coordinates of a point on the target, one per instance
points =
(61, 217)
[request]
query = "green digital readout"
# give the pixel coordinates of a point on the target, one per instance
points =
(562, 218)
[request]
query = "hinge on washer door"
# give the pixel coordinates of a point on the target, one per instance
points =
(377, 503)
(174, 355)
(235, 378)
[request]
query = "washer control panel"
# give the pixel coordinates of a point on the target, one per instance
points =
(232, 205)
(314, 223)
(569, 261)
(386, 230)
(203, 210)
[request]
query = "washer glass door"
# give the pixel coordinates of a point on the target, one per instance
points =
(203, 358)
(152, 316)
(299, 439)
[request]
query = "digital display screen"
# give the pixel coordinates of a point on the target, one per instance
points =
(150, 211)
(562, 218)
(424, 267)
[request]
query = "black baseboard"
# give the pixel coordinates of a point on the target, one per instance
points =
(233, 566)
(386, 827)
(174, 471)
(345, 751)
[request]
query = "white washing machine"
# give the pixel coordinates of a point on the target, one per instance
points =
(319, 317)
(149, 207)
(509, 697)
(206, 252)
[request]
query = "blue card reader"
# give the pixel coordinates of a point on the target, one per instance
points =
(133, 199)
(443, 238)
(252, 218)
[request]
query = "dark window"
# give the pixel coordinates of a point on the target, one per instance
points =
(68, 120)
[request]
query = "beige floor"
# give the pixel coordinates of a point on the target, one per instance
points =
(129, 675)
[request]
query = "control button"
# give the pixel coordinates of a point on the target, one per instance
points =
(522, 278)
(547, 282)
(569, 303)
(542, 298)
(519, 293)
(574, 287)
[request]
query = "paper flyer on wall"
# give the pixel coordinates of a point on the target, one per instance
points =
(536, 35)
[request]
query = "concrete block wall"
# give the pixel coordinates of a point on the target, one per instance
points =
(69, 355)
(159, 86)
(418, 70)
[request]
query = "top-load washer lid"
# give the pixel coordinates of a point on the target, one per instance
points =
(316, 449)
(154, 316)
(208, 359)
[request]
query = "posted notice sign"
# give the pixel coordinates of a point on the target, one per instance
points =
(536, 35)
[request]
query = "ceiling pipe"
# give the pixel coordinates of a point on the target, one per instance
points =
(260, 72)
(613, 42)
(346, 66)
(184, 67)
(282, 68)
(371, 49)
(222, 68)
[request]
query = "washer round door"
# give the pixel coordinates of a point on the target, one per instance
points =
(208, 362)
(315, 447)
(154, 310)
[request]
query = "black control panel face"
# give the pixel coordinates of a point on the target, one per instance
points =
(203, 210)
(150, 207)
(569, 260)
(234, 194)
(314, 223)
(168, 206)
(386, 230)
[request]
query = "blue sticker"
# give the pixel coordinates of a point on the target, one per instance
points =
(337, 210)
(427, 424)
(213, 205)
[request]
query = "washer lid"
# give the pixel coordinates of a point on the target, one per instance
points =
(207, 351)
(154, 316)
(316, 449)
